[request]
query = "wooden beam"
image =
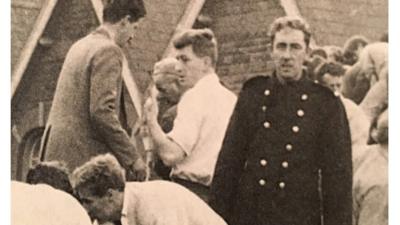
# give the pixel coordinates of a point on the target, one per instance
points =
(186, 22)
(30, 45)
(25, 4)
(291, 9)
(98, 8)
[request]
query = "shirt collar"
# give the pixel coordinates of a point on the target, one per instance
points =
(102, 30)
(209, 78)
(125, 205)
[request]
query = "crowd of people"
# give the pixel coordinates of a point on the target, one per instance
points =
(307, 144)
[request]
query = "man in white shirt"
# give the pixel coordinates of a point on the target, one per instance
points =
(193, 145)
(42, 204)
(101, 187)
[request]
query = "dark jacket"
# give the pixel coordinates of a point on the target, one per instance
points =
(89, 115)
(279, 138)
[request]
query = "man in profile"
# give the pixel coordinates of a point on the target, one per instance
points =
(88, 115)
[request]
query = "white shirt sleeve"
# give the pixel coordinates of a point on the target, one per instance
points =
(188, 122)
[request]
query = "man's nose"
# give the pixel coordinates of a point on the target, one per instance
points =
(287, 53)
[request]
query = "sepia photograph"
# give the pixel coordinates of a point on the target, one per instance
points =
(199, 112)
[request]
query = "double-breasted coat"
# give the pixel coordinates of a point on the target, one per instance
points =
(281, 139)
(89, 113)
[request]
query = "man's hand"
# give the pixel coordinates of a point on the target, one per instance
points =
(137, 172)
(151, 110)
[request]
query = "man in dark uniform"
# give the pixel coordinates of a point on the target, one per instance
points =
(286, 156)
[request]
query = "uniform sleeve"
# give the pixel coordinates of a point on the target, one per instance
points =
(106, 81)
(336, 165)
(374, 207)
(231, 159)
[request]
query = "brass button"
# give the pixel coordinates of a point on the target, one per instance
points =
(267, 92)
(282, 185)
(285, 164)
(289, 147)
(264, 108)
(295, 129)
(267, 124)
(304, 97)
(262, 182)
(263, 162)
(300, 113)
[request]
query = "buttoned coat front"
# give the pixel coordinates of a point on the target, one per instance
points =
(88, 115)
(281, 139)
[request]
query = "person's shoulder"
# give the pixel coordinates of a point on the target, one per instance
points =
(324, 92)
(373, 170)
(256, 81)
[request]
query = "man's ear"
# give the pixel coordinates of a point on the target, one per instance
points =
(125, 20)
(308, 50)
(110, 192)
(207, 61)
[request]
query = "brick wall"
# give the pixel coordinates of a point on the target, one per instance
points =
(23, 17)
(241, 28)
(153, 36)
(333, 21)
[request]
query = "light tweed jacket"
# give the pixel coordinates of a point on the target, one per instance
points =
(88, 116)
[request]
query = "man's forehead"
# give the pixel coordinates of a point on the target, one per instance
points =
(288, 34)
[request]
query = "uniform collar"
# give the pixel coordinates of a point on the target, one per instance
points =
(303, 79)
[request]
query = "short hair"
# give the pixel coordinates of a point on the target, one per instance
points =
(115, 10)
(351, 46)
(202, 41)
(334, 52)
(319, 51)
(291, 22)
(53, 173)
(332, 68)
(98, 175)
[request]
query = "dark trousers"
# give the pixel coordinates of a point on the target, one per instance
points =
(200, 190)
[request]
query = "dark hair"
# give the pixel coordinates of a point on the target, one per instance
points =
(320, 52)
(53, 173)
(291, 22)
(332, 68)
(115, 10)
(384, 37)
(202, 41)
(350, 48)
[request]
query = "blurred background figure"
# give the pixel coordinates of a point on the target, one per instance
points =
(168, 75)
(370, 68)
(370, 182)
(352, 49)
(316, 57)
(42, 204)
(47, 199)
(331, 75)
(334, 53)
